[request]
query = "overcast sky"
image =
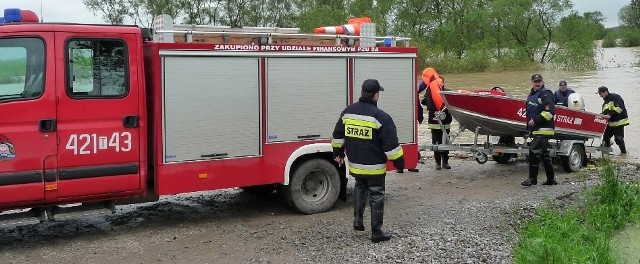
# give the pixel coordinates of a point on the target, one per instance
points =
(75, 11)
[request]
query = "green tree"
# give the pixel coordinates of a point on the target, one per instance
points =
(575, 46)
(112, 11)
(321, 13)
(458, 35)
(463, 27)
(629, 15)
(379, 11)
(139, 12)
(271, 13)
(595, 20)
(518, 19)
(413, 18)
(143, 11)
(549, 13)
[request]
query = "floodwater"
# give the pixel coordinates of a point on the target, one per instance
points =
(618, 71)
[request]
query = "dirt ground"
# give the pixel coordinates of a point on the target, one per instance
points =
(232, 226)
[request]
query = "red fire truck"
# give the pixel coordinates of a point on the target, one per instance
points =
(100, 115)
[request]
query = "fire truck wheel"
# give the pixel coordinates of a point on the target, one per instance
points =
(314, 187)
(575, 160)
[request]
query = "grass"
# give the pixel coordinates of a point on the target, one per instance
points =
(581, 234)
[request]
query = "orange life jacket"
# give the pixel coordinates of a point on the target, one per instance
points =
(432, 79)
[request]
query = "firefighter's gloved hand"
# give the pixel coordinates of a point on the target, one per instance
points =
(399, 164)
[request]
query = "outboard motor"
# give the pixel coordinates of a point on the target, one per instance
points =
(575, 101)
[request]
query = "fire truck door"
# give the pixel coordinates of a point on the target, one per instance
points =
(27, 118)
(98, 115)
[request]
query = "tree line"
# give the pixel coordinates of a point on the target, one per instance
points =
(628, 33)
(451, 35)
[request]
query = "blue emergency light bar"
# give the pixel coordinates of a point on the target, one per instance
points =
(12, 15)
(15, 15)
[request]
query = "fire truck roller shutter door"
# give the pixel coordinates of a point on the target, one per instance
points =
(211, 106)
(397, 75)
(295, 98)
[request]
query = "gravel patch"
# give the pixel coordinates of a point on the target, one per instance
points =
(469, 214)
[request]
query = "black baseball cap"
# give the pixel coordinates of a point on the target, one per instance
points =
(371, 86)
(536, 77)
(562, 83)
(602, 89)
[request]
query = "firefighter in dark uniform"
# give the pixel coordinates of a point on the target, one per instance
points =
(368, 137)
(540, 124)
(442, 156)
(562, 94)
(614, 110)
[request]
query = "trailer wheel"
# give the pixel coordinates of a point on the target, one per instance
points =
(481, 158)
(574, 161)
(314, 187)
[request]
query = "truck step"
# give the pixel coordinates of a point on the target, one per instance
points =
(26, 216)
(56, 213)
(70, 211)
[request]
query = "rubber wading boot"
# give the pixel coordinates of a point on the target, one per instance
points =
(377, 216)
(437, 156)
(533, 176)
(548, 169)
(529, 182)
(445, 161)
(358, 209)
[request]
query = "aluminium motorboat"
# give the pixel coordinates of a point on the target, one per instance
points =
(496, 114)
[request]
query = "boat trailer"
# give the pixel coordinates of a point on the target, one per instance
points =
(572, 153)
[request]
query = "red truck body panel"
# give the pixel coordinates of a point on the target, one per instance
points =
(75, 143)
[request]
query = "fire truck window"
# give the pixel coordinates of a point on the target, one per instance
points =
(21, 68)
(97, 68)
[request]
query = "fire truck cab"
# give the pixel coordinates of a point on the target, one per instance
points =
(98, 115)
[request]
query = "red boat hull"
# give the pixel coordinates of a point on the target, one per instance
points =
(506, 116)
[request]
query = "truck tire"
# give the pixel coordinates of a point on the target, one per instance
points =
(313, 188)
(260, 190)
(575, 160)
(503, 158)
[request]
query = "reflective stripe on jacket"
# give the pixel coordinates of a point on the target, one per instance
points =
(614, 107)
(541, 108)
(368, 136)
